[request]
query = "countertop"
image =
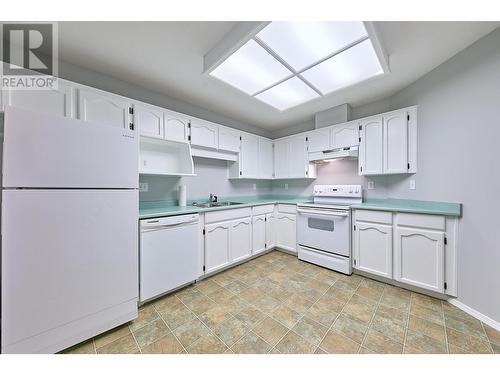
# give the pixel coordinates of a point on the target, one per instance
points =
(406, 205)
(169, 208)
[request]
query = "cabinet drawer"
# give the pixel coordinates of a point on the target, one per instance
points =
(382, 217)
(224, 215)
(264, 209)
(287, 208)
(421, 221)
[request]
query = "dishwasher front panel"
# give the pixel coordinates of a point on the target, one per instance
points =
(169, 257)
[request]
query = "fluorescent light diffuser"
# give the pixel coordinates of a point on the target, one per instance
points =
(347, 68)
(288, 94)
(301, 44)
(251, 69)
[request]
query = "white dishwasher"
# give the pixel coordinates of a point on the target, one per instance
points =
(169, 254)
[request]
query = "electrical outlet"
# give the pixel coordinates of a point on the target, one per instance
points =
(143, 187)
(254, 186)
(371, 185)
(412, 185)
(286, 186)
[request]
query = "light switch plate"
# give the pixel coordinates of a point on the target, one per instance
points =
(412, 185)
(371, 185)
(143, 187)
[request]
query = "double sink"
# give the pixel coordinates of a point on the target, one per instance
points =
(215, 204)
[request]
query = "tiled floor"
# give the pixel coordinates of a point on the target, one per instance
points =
(278, 304)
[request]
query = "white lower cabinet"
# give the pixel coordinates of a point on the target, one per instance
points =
(217, 248)
(373, 248)
(259, 233)
(240, 242)
(271, 237)
(286, 231)
(419, 258)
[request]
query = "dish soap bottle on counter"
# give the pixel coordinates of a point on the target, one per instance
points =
(182, 196)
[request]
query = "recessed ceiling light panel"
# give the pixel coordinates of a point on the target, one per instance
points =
(349, 67)
(301, 44)
(251, 69)
(288, 94)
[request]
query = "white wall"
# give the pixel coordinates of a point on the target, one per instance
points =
(458, 156)
(211, 177)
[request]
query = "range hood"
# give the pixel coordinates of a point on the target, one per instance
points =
(338, 153)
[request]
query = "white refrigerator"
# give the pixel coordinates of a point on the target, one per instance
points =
(69, 231)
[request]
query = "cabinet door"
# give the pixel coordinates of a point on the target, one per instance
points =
(345, 135)
(271, 237)
(149, 120)
(176, 126)
(396, 142)
(217, 251)
(229, 139)
(241, 239)
(297, 157)
(99, 107)
(249, 155)
(419, 258)
(57, 102)
(266, 165)
(371, 146)
(204, 134)
(286, 230)
(259, 233)
(373, 248)
(281, 163)
(319, 140)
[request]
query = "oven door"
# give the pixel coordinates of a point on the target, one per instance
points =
(324, 229)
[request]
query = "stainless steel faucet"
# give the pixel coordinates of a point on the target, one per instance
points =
(212, 198)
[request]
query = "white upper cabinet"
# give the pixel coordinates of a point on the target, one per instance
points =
(373, 248)
(249, 156)
(266, 165)
(149, 120)
(281, 162)
(176, 126)
(204, 134)
(57, 102)
(371, 146)
(229, 139)
(101, 107)
(319, 140)
(344, 135)
(389, 143)
(395, 142)
(419, 258)
(298, 159)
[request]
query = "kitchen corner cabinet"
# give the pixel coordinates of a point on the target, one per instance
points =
(204, 134)
(412, 249)
(56, 102)
(388, 143)
(101, 107)
(291, 159)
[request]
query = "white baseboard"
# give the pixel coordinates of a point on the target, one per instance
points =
(476, 314)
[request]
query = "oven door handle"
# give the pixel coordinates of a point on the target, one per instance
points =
(323, 212)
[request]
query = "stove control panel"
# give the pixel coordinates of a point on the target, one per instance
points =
(348, 191)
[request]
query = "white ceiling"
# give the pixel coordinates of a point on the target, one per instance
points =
(167, 57)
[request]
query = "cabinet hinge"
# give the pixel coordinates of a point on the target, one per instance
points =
(203, 268)
(408, 117)
(360, 127)
(131, 110)
(408, 166)
(265, 246)
(445, 286)
(446, 241)
(361, 169)
(203, 231)
(307, 173)
(240, 173)
(355, 227)
(131, 126)
(189, 137)
(240, 137)
(354, 261)
(189, 124)
(359, 139)
(265, 219)
(307, 139)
